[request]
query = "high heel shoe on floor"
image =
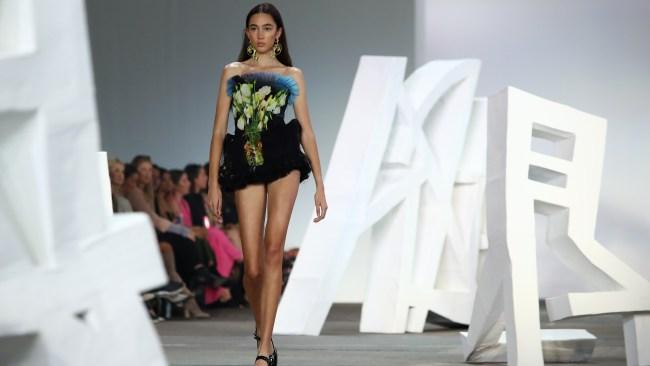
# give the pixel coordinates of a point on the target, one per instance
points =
(270, 360)
(275, 354)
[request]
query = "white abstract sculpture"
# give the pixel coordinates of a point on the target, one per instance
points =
(393, 172)
(70, 272)
(546, 158)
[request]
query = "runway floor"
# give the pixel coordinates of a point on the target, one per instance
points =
(226, 339)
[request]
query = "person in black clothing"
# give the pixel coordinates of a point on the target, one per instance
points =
(198, 183)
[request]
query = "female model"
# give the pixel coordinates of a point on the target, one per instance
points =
(263, 163)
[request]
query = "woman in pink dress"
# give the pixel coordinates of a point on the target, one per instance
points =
(225, 252)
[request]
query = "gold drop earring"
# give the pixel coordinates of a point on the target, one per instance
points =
(252, 51)
(277, 48)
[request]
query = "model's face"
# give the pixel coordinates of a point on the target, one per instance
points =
(166, 182)
(262, 32)
(116, 173)
(201, 180)
(183, 186)
(144, 172)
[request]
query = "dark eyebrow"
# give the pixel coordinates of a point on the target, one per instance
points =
(263, 25)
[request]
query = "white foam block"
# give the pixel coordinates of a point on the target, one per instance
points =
(71, 272)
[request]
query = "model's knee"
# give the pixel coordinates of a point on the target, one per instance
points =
(274, 255)
(253, 273)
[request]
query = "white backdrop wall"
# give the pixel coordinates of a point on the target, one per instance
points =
(593, 55)
(157, 65)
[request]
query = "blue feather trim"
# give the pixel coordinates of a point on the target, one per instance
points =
(231, 86)
(279, 80)
(290, 83)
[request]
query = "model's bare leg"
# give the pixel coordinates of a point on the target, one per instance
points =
(281, 198)
(251, 205)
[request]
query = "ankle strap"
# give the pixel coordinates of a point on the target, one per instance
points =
(269, 359)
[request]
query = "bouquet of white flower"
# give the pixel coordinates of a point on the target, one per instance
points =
(252, 110)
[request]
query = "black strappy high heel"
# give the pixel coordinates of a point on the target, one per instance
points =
(257, 338)
(275, 354)
(270, 360)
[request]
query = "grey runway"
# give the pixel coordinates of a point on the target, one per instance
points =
(226, 339)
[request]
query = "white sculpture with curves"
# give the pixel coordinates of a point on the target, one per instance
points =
(70, 272)
(393, 172)
(405, 188)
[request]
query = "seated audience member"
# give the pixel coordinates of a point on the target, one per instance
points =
(164, 202)
(198, 180)
(228, 257)
(124, 178)
(181, 238)
(170, 207)
(130, 179)
(191, 308)
(155, 176)
(116, 174)
(142, 199)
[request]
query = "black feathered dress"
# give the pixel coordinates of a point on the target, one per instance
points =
(263, 147)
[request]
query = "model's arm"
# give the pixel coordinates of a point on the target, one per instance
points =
(308, 141)
(218, 133)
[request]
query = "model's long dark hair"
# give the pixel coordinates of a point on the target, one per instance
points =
(270, 9)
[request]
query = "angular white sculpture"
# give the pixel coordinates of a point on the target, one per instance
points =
(17, 30)
(420, 260)
(70, 272)
(393, 172)
(355, 164)
(546, 158)
(558, 345)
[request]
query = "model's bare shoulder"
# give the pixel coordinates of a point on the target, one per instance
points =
(294, 71)
(235, 65)
(233, 68)
(297, 74)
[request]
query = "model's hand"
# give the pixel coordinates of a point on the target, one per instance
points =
(214, 201)
(321, 203)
